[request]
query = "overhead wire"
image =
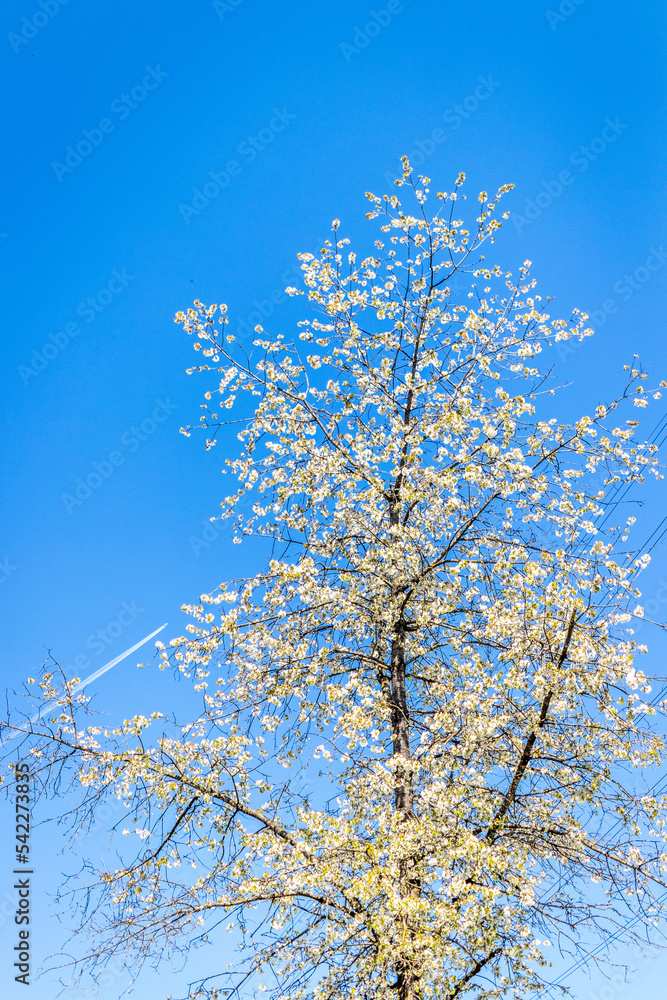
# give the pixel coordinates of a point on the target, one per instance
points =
(657, 431)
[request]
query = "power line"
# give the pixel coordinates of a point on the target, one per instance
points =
(584, 961)
(657, 432)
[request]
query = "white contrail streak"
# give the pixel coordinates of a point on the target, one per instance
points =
(98, 673)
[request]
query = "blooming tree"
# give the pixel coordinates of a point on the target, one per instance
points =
(423, 748)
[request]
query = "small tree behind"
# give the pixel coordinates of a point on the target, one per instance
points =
(422, 740)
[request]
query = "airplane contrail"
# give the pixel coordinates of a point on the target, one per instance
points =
(98, 673)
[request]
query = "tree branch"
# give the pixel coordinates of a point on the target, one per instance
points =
(492, 832)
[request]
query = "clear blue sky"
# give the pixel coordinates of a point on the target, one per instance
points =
(159, 152)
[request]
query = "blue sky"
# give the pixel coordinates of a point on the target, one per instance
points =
(157, 153)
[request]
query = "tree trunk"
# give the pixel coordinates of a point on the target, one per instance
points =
(400, 725)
